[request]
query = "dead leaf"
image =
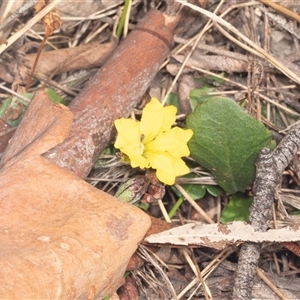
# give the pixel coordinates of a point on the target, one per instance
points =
(70, 59)
(186, 83)
(60, 237)
(215, 62)
(13, 113)
(135, 262)
(129, 290)
(220, 236)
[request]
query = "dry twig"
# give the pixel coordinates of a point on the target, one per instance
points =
(270, 166)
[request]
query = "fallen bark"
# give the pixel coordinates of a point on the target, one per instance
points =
(114, 92)
(82, 57)
(54, 62)
(60, 237)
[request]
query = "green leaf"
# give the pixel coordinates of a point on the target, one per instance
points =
(196, 191)
(227, 141)
(142, 205)
(198, 96)
(133, 189)
(122, 20)
(55, 97)
(237, 209)
(214, 190)
(173, 99)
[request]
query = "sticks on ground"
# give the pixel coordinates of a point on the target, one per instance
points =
(270, 166)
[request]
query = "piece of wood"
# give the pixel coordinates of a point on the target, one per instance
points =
(269, 168)
(220, 236)
(113, 92)
(60, 237)
(82, 57)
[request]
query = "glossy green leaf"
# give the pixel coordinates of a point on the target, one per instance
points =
(237, 209)
(227, 141)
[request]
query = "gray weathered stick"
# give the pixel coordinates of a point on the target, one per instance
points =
(270, 166)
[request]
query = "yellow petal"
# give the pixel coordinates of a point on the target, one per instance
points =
(174, 141)
(168, 167)
(156, 119)
(139, 161)
(129, 136)
(128, 130)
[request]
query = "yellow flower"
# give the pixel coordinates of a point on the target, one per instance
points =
(152, 143)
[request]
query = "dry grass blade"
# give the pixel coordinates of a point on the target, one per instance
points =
(164, 211)
(192, 40)
(3, 87)
(126, 24)
(281, 9)
(33, 21)
(195, 40)
(144, 252)
(272, 286)
(208, 269)
(245, 88)
(201, 180)
(54, 84)
(194, 204)
(197, 272)
(198, 38)
(256, 50)
(19, 11)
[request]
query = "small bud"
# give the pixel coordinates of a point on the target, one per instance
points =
(133, 189)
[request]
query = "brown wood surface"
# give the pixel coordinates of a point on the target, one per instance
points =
(113, 92)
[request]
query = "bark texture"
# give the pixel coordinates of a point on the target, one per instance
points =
(60, 237)
(113, 92)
